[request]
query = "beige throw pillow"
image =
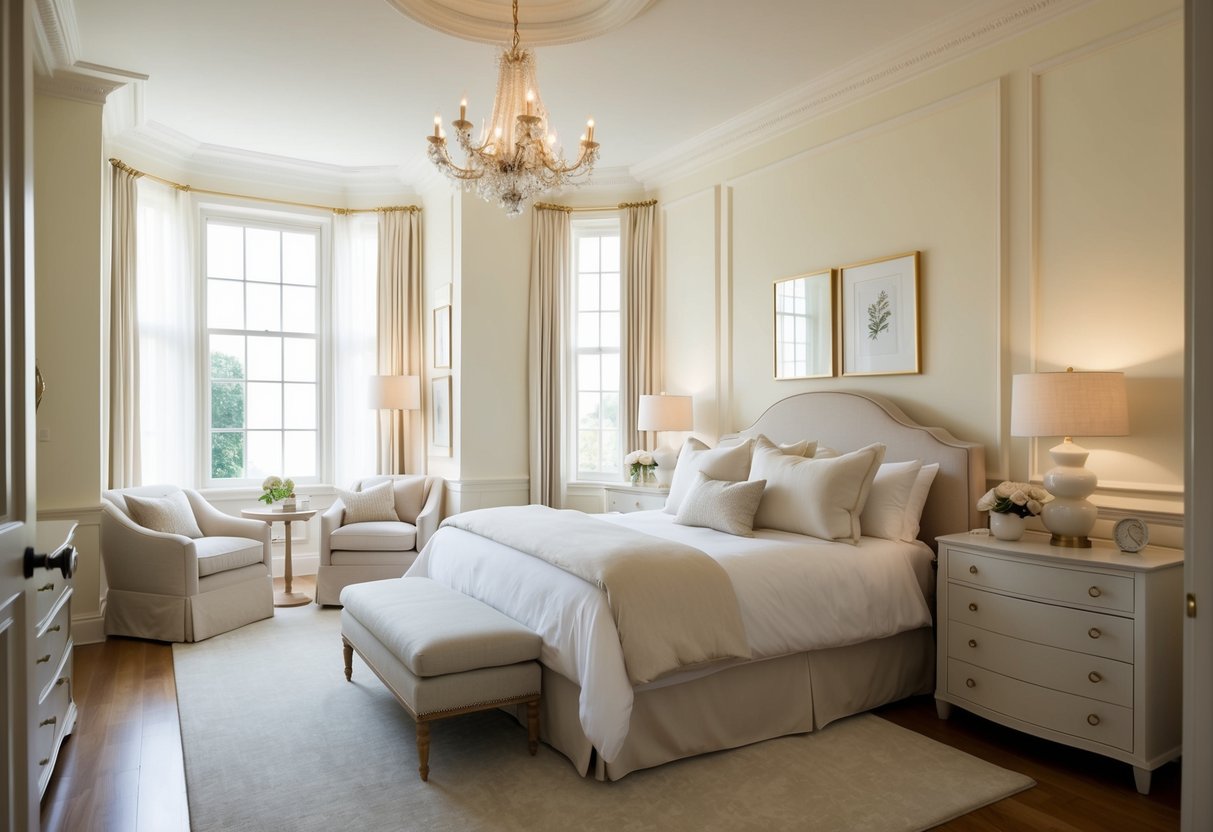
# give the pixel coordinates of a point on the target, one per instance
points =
(374, 504)
(884, 513)
(918, 500)
(724, 506)
(171, 514)
(818, 497)
(731, 464)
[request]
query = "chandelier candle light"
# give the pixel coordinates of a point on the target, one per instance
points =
(516, 158)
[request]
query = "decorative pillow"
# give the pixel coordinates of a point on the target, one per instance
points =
(731, 464)
(171, 514)
(375, 503)
(724, 506)
(884, 514)
(918, 499)
(818, 497)
(823, 452)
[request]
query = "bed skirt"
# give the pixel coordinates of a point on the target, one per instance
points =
(745, 704)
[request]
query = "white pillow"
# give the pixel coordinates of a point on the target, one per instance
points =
(884, 514)
(724, 506)
(731, 464)
(370, 505)
(818, 497)
(823, 452)
(918, 499)
(171, 514)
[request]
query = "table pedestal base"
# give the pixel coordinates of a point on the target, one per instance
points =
(291, 599)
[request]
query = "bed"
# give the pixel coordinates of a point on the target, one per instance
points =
(864, 638)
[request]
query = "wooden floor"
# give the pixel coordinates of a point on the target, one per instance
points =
(122, 769)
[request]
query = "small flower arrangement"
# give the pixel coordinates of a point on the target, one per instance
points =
(275, 489)
(640, 464)
(1019, 498)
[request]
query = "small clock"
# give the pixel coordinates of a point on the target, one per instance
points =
(1131, 534)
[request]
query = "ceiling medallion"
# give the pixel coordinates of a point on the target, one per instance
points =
(548, 22)
(515, 158)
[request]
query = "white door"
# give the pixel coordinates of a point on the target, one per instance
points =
(18, 787)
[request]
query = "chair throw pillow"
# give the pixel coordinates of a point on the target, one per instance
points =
(171, 514)
(724, 506)
(731, 463)
(374, 504)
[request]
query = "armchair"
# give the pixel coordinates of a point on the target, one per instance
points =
(352, 553)
(172, 587)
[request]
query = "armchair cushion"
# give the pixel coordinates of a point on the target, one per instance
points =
(371, 505)
(171, 514)
(375, 536)
(221, 554)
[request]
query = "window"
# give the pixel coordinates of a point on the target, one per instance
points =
(262, 284)
(595, 300)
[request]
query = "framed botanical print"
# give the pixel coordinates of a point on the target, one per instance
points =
(879, 316)
(442, 337)
(440, 416)
(804, 326)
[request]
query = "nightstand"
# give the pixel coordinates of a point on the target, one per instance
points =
(624, 498)
(1079, 646)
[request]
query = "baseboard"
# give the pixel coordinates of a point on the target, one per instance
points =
(89, 629)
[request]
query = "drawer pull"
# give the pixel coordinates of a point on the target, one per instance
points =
(1095, 677)
(46, 587)
(1092, 719)
(1094, 632)
(44, 761)
(972, 642)
(972, 570)
(972, 608)
(1094, 592)
(48, 721)
(969, 683)
(61, 681)
(54, 629)
(43, 660)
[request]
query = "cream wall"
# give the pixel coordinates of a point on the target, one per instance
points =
(1041, 179)
(68, 165)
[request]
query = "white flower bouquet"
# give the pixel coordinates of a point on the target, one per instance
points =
(1019, 498)
(640, 464)
(276, 488)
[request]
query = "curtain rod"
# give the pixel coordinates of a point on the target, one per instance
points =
(118, 163)
(577, 209)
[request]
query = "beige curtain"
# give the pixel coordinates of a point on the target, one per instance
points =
(551, 234)
(124, 462)
(401, 433)
(640, 317)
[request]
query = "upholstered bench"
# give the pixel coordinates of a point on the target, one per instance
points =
(440, 653)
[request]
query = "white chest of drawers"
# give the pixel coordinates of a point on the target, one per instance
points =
(624, 498)
(1080, 646)
(52, 670)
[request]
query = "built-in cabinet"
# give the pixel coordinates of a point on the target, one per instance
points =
(52, 661)
(1080, 646)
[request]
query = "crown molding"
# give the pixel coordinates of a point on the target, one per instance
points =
(56, 37)
(917, 53)
(76, 86)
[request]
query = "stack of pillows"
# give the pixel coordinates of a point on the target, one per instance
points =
(799, 488)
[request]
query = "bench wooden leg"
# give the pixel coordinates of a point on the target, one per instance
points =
(347, 650)
(532, 726)
(423, 749)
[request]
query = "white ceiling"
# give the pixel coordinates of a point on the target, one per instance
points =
(356, 82)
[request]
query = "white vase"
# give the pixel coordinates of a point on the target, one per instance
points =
(1006, 526)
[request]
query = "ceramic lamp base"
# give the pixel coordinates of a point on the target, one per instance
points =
(1070, 516)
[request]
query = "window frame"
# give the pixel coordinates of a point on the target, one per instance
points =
(581, 227)
(237, 213)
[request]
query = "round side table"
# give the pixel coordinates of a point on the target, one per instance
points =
(287, 598)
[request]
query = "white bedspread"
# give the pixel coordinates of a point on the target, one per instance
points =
(796, 593)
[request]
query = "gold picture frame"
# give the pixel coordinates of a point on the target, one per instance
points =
(803, 337)
(879, 316)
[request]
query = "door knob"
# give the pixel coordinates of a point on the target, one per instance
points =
(64, 559)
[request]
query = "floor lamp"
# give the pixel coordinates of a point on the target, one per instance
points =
(658, 413)
(394, 393)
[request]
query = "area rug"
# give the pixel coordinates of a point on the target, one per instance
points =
(276, 739)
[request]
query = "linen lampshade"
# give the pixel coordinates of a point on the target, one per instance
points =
(395, 393)
(664, 413)
(1069, 404)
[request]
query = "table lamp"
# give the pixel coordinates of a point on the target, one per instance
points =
(1069, 404)
(662, 412)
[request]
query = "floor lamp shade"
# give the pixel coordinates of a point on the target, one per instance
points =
(659, 413)
(1069, 404)
(395, 393)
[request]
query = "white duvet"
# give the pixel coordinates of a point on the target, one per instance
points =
(796, 593)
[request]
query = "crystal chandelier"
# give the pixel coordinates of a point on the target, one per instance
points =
(516, 158)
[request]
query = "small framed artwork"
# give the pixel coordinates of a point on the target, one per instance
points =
(804, 326)
(879, 316)
(442, 337)
(440, 415)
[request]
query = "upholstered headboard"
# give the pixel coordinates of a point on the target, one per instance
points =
(847, 421)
